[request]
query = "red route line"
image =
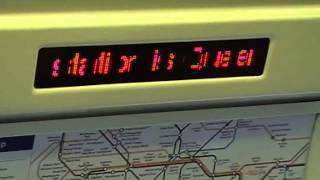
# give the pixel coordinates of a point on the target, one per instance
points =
(123, 168)
(200, 164)
(186, 161)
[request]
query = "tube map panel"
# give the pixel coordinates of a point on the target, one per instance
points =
(240, 149)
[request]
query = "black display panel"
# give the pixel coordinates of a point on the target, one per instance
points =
(108, 64)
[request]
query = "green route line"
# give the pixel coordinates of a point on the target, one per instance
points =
(44, 157)
(178, 139)
(298, 154)
(294, 158)
(212, 137)
(115, 147)
(306, 147)
(60, 155)
(180, 172)
(42, 152)
(254, 126)
(134, 174)
(173, 155)
(120, 143)
(287, 167)
(161, 172)
(234, 136)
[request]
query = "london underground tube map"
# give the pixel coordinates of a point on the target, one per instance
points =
(240, 149)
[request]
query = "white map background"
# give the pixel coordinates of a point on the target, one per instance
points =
(240, 149)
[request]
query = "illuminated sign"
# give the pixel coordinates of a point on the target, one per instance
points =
(108, 64)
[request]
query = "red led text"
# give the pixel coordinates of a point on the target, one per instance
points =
(127, 63)
(245, 57)
(102, 64)
(55, 68)
(77, 65)
(156, 61)
(222, 59)
(203, 59)
(170, 64)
